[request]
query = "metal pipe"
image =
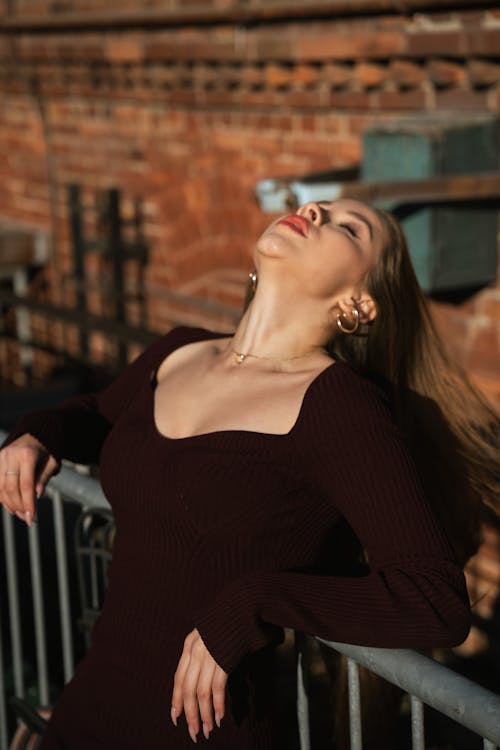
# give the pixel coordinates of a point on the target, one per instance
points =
(3, 705)
(63, 584)
(455, 696)
(39, 616)
(355, 729)
(417, 724)
(271, 11)
(302, 693)
(13, 603)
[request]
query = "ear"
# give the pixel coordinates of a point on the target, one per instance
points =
(366, 305)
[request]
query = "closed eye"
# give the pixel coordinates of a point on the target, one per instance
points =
(350, 229)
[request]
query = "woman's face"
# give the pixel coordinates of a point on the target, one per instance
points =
(330, 246)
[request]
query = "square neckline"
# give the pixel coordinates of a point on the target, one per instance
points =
(153, 382)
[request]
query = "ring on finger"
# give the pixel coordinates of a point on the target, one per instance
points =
(14, 473)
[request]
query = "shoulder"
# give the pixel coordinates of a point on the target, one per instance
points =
(345, 394)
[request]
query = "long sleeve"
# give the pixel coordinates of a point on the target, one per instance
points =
(77, 429)
(413, 594)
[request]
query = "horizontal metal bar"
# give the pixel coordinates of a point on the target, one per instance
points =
(270, 10)
(85, 490)
(455, 696)
(122, 331)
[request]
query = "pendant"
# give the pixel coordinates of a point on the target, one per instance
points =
(239, 358)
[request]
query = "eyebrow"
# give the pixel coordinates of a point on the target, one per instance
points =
(359, 216)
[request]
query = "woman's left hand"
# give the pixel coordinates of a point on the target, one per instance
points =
(199, 687)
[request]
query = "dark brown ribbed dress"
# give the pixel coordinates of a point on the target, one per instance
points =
(224, 532)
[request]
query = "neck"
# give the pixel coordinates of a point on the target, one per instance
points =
(277, 326)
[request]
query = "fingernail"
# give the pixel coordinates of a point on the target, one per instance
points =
(28, 519)
(173, 715)
(206, 731)
(217, 719)
(192, 733)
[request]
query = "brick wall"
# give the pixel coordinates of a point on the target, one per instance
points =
(188, 116)
(188, 109)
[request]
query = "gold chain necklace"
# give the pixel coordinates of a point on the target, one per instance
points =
(240, 357)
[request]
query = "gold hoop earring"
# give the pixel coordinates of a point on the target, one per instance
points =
(250, 289)
(253, 278)
(354, 324)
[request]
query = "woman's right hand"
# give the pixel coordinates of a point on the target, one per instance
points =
(25, 468)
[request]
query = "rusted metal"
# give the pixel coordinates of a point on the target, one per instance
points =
(273, 10)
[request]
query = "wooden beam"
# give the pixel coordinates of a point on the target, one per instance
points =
(476, 187)
(272, 10)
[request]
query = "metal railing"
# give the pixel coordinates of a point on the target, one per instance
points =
(67, 485)
(425, 680)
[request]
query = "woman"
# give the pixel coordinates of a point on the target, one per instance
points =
(235, 464)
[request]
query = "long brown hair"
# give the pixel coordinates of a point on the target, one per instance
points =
(451, 429)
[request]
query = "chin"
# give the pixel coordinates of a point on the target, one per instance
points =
(273, 244)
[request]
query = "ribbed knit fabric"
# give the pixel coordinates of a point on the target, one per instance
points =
(225, 532)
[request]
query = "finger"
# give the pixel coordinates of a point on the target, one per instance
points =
(204, 694)
(177, 693)
(3, 491)
(45, 475)
(190, 699)
(11, 489)
(219, 694)
(27, 490)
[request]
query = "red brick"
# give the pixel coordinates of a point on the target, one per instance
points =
(306, 75)
(483, 73)
(400, 100)
(449, 43)
(369, 75)
(445, 73)
(277, 76)
(303, 99)
(349, 99)
(252, 75)
(277, 45)
(126, 48)
(483, 41)
(406, 73)
(350, 46)
(337, 75)
(461, 99)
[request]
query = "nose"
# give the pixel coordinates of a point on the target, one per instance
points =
(310, 211)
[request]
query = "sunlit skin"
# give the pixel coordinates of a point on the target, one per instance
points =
(311, 266)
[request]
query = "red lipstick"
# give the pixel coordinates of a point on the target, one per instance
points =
(297, 223)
